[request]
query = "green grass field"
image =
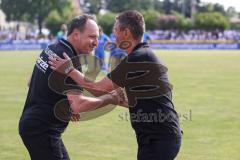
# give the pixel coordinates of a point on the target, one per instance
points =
(206, 95)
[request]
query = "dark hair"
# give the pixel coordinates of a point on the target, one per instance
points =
(79, 23)
(134, 21)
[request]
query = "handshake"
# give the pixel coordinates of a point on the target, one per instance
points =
(119, 98)
(116, 97)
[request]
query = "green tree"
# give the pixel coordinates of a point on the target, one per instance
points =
(211, 8)
(182, 6)
(187, 6)
(119, 6)
(158, 5)
(218, 8)
(31, 10)
(151, 17)
(146, 5)
(92, 6)
(183, 23)
(167, 6)
(54, 20)
(231, 12)
(107, 21)
(168, 22)
(211, 21)
(177, 5)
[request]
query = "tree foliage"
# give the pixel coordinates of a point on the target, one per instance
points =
(211, 8)
(183, 23)
(166, 14)
(150, 17)
(55, 19)
(32, 10)
(211, 21)
(92, 6)
(117, 6)
(107, 21)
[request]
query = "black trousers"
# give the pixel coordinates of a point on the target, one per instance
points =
(45, 147)
(159, 150)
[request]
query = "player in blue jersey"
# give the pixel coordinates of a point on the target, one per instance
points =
(146, 37)
(99, 52)
(116, 53)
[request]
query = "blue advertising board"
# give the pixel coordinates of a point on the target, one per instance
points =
(167, 46)
(23, 46)
(197, 46)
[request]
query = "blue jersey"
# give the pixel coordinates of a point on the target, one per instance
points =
(146, 37)
(112, 37)
(102, 40)
(114, 50)
(61, 35)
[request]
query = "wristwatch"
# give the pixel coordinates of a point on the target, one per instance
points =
(69, 69)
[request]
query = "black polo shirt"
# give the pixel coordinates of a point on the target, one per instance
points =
(145, 80)
(46, 89)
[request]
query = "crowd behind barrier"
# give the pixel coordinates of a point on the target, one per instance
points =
(196, 35)
(11, 39)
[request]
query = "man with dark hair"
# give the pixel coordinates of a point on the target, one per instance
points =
(145, 80)
(39, 127)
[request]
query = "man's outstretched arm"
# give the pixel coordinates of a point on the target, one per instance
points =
(80, 103)
(98, 88)
(65, 66)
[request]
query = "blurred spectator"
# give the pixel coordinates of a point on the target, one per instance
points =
(62, 33)
(116, 54)
(197, 35)
(99, 52)
(13, 34)
(146, 37)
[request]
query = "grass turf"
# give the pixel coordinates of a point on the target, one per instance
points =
(206, 96)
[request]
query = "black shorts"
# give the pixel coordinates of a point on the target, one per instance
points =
(159, 150)
(45, 147)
